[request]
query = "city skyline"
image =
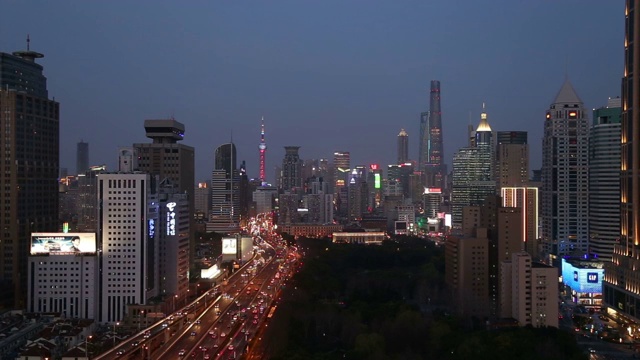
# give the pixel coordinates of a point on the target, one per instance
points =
(219, 68)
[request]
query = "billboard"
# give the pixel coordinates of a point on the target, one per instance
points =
(376, 180)
(229, 246)
(62, 243)
(582, 280)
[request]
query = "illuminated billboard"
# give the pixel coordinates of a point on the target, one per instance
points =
(376, 181)
(582, 280)
(62, 243)
(447, 220)
(229, 246)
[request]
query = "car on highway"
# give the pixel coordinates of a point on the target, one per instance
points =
(230, 348)
(134, 344)
(193, 333)
(198, 321)
(182, 352)
(120, 352)
(223, 334)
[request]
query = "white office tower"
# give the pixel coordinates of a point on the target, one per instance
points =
(128, 209)
(173, 232)
(529, 291)
(63, 274)
(565, 176)
(127, 159)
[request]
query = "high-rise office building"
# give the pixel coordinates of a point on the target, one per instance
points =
(167, 158)
(621, 285)
(88, 203)
(403, 147)
(291, 169)
(512, 159)
(341, 168)
(565, 171)
(374, 182)
(171, 232)
(225, 195)
(431, 155)
(127, 216)
(525, 198)
(31, 165)
(604, 179)
(82, 157)
(473, 177)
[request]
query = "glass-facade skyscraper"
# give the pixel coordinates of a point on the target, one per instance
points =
(431, 155)
(29, 172)
(473, 179)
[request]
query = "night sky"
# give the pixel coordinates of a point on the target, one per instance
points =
(326, 75)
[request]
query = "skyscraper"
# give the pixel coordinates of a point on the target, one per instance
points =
(167, 158)
(31, 166)
(341, 167)
(225, 196)
(126, 277)
(431, 157)
(604, 180)
(403, 147)
(473, 178)
(263, 154)
(620, 286)
(82, 157)
(565, 170)
(291, 169)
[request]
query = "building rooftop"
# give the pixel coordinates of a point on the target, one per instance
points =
(567, 94)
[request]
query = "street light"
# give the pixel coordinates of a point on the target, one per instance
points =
(140, 315)
(86, 347)
(114, 332)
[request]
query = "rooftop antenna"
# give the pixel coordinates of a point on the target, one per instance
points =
(28, 41)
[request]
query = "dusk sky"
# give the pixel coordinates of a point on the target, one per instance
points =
(326, 75)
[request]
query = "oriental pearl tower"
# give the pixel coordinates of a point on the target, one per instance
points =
(263, 153)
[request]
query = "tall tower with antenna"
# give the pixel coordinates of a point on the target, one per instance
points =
(263, 153)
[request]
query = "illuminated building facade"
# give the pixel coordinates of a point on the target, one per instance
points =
(525, 198)
(622, 279)
(473, 178)
(512, 159)
(565, 176)
(224, 216)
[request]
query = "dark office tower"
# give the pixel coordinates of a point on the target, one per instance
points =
(341, 167)
(604, 179)
(29, 172)
(82, 157)
(512, 159)
(225, 191)
(621, 292)
(431, 154)
(291, 169)
(565, 180)
(244, 192)
(403, 147)
(168, 159)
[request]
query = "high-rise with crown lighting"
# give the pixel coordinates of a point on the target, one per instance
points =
(431, 156)
(29, 173)
(263, 154)
(403, 147)
(621, 285)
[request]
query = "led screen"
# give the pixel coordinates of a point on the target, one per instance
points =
(62, 243)
(582, 280)
(229, 246)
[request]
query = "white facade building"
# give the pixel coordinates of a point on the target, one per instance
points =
(173, 232)
(565, 176)
(128, 209)
(63, 281)
(529, 291)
